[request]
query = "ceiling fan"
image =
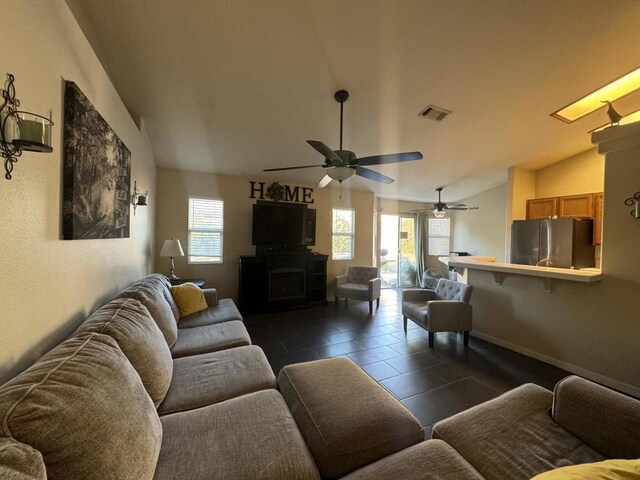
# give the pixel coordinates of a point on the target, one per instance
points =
(440, 207)
(343, 164)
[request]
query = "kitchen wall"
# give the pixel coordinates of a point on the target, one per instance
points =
(481, 232)
(51, 285)
(175, 187)
(590, 329)
(581, 173)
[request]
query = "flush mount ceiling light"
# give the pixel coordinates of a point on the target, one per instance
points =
(590, 103)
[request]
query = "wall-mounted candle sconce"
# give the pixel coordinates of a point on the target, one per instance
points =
(20, 130)
(138, 199)
(635, 203)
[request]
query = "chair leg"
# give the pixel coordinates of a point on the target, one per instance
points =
(377, 302)
(431, 337)
(404, 321)
(465, 340)
(370, 307)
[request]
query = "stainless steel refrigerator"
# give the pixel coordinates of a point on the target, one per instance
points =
(561, 242)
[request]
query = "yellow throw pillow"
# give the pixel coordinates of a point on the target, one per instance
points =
(606, 470)
(189, 298)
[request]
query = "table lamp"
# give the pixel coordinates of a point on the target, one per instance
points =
(172, 248)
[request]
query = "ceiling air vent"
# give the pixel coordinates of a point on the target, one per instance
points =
(434, 113)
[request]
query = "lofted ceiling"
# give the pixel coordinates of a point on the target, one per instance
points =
(235, 86)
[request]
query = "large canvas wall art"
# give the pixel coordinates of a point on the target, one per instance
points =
(97, 173)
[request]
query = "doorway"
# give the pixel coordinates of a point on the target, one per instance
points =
(397, 251)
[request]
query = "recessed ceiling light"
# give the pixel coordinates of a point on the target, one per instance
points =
(632, 117)
(590, 103)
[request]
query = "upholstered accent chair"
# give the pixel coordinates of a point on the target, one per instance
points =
(445, 309)
(360, 283)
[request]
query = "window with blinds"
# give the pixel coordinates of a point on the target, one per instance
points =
(439, 229)
(343, 234)
(206, 220)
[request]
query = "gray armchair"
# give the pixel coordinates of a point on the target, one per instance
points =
(445, 309)
(360, 283)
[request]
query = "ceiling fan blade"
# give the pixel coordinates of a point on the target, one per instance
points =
(326, 180)
(292, 168)
(371, 175)
(326, 152)
(457, 204)
(453, 207)
(390, 158)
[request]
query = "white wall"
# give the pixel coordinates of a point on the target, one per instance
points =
(175, 187)
(481, 232)
(50, 284)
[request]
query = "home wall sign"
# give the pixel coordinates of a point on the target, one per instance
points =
(97, 173)
(277, 192)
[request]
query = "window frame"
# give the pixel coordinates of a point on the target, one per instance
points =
(189, 230)
(352, 234)
(430, 236)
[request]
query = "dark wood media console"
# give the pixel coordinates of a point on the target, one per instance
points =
(282, 281)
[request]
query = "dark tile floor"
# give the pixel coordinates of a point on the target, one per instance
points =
(433, 383)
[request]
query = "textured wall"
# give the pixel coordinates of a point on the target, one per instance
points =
(175, 187)
(51, 284)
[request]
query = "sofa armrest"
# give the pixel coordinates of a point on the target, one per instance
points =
(211, 296)
(447, 315)
(375, 284)
(418, 295)
(605, 420)
(340, 279)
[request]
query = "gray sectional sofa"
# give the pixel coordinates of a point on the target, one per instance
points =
(140, 393)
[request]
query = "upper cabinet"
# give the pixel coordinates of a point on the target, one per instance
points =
(576, 206)
(542, 207)
(587, 205)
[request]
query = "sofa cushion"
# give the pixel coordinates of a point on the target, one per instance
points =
(20, 462)
(361, 274)
(212, 338)
(151, 295)
(451, 290)
(224, 311)
(206, 379)
(128, 322)
(520, 435)
(430, 460)
(347, 419)
(189, 298)
(84, 408)
(164, 282)
(353, 290)
(249, 437)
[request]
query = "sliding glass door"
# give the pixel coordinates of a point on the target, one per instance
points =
(397, 251)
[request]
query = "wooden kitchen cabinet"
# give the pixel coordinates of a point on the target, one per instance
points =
(598, 200)
(576, 206)
(542, 207)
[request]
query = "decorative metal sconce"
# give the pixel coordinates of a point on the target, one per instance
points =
(635, 203)
(138, 199)
(20, 130)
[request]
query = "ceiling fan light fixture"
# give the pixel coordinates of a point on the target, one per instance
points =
(439, 213)
(341, 173)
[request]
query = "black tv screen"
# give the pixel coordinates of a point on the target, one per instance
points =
(281, 225)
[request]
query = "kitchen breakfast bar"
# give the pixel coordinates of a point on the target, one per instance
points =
(500, 270)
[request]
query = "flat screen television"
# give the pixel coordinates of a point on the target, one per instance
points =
(283, 225)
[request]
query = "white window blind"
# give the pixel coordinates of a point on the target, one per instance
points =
(343, 234)
(206, 221)
(439, 229)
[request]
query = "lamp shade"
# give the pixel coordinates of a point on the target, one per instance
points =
(341, 173)
(439, 213)
(171, 248)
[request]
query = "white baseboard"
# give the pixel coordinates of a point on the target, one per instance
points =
(596, 377)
